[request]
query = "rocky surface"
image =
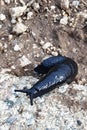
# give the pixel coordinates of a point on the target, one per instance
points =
(29, 32)
(64, 108)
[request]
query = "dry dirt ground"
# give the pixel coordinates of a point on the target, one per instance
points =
(45, 26)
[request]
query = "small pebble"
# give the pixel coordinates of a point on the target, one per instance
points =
(52, 7)
(19, 19)
(41, 42)
(2, 17)
(75, 3)
(10, 37)
(29, 15)
(16, 48)
(24, 61)
(64, 20)
(79, 122)
(83, 14)
(36, 6)
(13, 67)
(17, 11)
(64, 4)
(54, 53)
(19, 28)
(13, 21)
(7, 1)
(0, 26)
(46, 45)
(22, 2)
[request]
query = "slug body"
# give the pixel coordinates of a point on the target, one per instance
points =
(57, 70)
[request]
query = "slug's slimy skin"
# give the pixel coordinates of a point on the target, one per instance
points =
(48, 63)
(57, 70)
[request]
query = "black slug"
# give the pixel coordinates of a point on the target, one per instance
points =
(57, 70)
(48, 63)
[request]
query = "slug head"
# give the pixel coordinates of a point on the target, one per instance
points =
(27, 93)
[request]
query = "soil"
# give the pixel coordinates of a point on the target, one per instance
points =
(66, 39)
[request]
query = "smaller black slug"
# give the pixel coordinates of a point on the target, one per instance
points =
(57, 70)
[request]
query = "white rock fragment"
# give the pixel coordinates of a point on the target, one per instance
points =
(5, 45)
(36, 6)
(83, 14)
(7, 1)
(33, 34)
(16, 48)
(41, 42)
(29, 15)
(0, 26)
(55, 17)
(30, 3)
(13, 21)
(74, 50)
(19, 19)
(52, 7)
(54, 53)
(64, 4)
(13, 67)
(64, 20)
(46, 45)
(22, 2)
(24, 61)
(19, 28)
(75, 3)
(2, 17)
(4, 71)
(17, 11)
(10, 37)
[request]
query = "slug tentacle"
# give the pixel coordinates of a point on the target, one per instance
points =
(28, 93)
(57, 70)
